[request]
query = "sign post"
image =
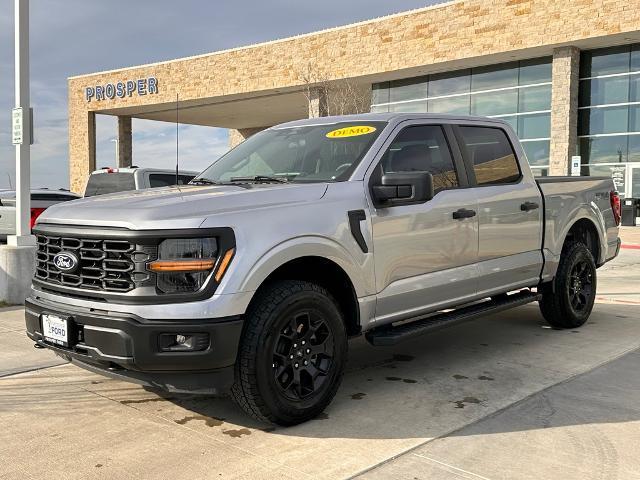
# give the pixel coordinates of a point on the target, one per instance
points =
(21, 128)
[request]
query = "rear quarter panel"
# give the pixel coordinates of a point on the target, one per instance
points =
(566, 202)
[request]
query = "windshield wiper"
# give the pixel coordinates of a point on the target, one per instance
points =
(259, 179)
(202, 181)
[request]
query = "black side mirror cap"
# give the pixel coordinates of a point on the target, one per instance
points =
(403, 188)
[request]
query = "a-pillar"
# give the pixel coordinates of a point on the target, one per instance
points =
(564, 109)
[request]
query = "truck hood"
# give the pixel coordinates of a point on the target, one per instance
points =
(178, 207)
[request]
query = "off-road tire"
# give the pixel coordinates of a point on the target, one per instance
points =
(257, 389)
(558, 303)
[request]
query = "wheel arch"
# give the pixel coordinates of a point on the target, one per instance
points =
(321, 262)
(586, 231)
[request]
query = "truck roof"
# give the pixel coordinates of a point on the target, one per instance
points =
(388, 117)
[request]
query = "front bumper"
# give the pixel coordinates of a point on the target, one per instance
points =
(127, 346)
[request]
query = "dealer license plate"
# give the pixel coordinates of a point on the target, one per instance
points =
(55, 330)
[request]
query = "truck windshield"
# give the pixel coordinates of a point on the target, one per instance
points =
(314, 153)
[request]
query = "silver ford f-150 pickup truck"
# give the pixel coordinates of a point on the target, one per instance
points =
(252, 278)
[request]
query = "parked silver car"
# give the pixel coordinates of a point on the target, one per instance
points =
(112, 180)
(40, 201)
(253, 278)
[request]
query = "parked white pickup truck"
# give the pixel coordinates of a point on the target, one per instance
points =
(253, 277)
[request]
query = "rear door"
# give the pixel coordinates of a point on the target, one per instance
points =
(509, 209)
(425, 259)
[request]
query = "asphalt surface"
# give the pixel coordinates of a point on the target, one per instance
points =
(502, 397)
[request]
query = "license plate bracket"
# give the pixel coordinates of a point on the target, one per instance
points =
(55, 329)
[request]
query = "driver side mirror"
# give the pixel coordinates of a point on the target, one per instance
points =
(403, 188)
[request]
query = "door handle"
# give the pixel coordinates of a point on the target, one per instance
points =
(526, 206)
(463, 213)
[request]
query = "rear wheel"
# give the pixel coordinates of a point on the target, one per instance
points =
(567, 301)
(292, 353)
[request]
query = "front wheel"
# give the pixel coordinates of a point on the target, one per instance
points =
(567, 301)
(292, 353)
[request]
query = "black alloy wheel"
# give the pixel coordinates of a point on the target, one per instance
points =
(303, 355)
(292, 353)
(568, 299)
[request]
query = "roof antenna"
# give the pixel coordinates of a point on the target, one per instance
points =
(177, 138)
(10, 184)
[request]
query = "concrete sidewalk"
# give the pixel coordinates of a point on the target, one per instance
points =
(585, 428)
(18, 354)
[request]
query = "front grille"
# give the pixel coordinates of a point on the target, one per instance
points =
(105, 265)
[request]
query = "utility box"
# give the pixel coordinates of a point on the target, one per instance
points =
(629, 212)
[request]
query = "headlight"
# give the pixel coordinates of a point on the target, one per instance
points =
(185, 264)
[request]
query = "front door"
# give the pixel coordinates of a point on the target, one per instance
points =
(425, 259)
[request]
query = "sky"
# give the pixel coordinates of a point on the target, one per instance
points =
(73, 37)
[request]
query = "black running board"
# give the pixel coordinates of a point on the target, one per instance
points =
(391, 335)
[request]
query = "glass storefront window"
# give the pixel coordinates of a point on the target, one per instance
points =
(604, 149)
(449, 83)
(509, 91)
(379, 108)
(380, 93)
(605, 61)
(535, 71)
(534, 99)
(595, 121)
(458, 105)
(409, 107)
(604, 91)
(495, 76)
(534, 126)
(537, 152)
(409, 89)
(494, 103)
(634, 148)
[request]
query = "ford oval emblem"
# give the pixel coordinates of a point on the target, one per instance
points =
(66, 262)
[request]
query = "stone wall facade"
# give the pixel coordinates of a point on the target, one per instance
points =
(564, 108)
(442, 37)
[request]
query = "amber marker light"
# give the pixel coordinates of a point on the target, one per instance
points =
(196, 265)
(226, 260)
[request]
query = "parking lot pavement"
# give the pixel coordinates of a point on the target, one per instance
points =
(18, 354)
(475, 388)
(63, 422)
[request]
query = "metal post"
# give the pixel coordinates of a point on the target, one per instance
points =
(117, 142)
(23, 235)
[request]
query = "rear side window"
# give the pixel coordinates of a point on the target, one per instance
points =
(422, 148)
(491, 154)
(167, 179)
(101, 183)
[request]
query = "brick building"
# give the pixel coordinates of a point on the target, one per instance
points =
(565, 74)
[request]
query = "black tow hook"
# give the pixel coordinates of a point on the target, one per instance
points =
(37, 345)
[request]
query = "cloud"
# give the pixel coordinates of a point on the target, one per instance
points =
(70, 37)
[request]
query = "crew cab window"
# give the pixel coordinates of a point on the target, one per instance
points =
(167, 179)
(491, 155)
(422, 148)
(101, 183)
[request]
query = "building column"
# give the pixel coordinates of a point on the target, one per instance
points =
(237, 136)
(564, 109)
(125, 142)
(82, 148)
(318, 102)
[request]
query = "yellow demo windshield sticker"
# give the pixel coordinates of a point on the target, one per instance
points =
(352, 131)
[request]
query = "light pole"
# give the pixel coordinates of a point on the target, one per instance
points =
(22, 128)
(17, 258)
(117, 141)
